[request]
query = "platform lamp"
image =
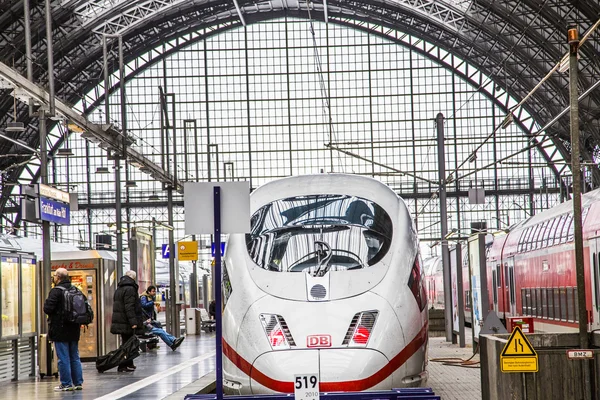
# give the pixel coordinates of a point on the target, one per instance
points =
(153, 197)
(65, 151)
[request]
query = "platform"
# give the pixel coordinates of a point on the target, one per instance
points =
(159, 373)
(164, 373)
(453, 382)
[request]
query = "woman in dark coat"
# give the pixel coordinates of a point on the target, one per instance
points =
(127, 319)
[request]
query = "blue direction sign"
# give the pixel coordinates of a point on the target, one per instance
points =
(165, 251)
(212, 248)
(54, 211)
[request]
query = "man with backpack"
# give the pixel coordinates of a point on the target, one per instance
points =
(64, 322)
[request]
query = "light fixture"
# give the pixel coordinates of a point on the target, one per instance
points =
(66, 152)
(15, 127)
(102, 170)
(130, 184)
(153, 197)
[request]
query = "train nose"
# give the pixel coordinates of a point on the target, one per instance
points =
(338, 369)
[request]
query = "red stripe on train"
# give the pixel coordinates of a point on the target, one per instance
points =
(344, 386)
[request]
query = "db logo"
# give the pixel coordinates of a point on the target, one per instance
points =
(318, 341)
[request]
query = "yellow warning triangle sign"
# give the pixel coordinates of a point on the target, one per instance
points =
(518, 345)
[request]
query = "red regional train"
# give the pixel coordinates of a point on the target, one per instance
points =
(531, 269)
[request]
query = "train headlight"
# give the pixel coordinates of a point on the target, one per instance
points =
(360, 329)
(277, 331)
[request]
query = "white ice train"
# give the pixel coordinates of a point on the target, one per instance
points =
(329, 282)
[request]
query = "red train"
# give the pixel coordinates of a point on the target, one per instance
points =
(531, 270)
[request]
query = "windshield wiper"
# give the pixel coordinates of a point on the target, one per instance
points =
(324, 254)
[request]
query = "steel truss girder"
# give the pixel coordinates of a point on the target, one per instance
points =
(501, 39)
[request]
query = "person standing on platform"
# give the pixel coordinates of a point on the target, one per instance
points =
(127, 317)
(64, 334)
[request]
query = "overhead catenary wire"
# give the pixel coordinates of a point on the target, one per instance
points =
(520, 103)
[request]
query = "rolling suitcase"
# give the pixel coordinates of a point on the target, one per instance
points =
(127, 351)
(47, 360)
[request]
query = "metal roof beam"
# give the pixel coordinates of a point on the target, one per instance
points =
(107, 134)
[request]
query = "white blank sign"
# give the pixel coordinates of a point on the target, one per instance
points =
(198, 202)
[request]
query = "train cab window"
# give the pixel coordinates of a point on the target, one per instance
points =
(226, 284)
(319, 233)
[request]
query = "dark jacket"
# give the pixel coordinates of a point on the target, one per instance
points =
(60, 330)
(148, 305)
(127, 308)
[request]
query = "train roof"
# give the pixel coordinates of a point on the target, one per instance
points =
(354, 185)
(563, 208)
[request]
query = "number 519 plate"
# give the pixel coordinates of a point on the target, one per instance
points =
(306, 387)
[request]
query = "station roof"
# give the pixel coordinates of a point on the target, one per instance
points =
(515, 42)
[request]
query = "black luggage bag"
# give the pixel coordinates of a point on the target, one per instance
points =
(128, 351)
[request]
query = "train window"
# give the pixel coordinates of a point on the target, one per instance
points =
(546, 233)
(524, 302)
(287, 235)
(570, 305)
(544, 313)
(563, 303)
(539, 237)
(538, 302)
(552, 234)
(495, 286)
(595, 259)
(511, 283)
(560, 229)
(523, 240)
(573, 309)
(550, 303)
(571, 229)
(556, 303)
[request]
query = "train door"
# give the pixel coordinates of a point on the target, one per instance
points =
(510, 305)
(495, 288)
(595, 277)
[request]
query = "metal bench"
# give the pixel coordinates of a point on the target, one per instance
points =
(206, 324)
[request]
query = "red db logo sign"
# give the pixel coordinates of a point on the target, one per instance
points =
(318, 341)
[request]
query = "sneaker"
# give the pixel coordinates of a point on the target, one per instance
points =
(176, 343)
(126, 369)
(63, 388)
(78, 387)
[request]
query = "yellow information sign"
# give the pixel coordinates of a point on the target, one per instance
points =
(518, 355)
(187, 251)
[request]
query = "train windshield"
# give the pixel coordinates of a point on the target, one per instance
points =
(319, 233)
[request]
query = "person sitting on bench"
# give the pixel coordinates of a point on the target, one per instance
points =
(170, 340)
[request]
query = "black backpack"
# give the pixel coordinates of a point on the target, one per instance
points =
(76, 308)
